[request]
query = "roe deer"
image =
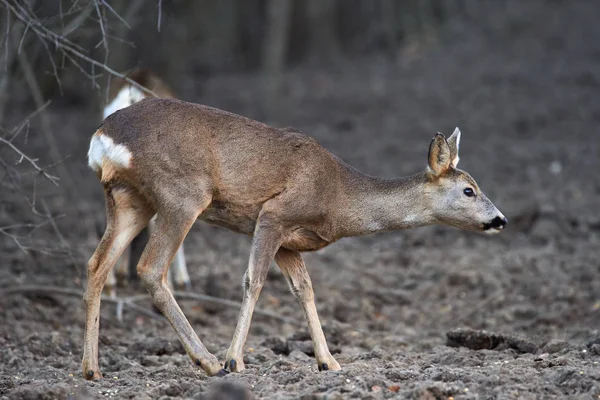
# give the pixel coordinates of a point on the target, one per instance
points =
(184, 162)
(122, 94)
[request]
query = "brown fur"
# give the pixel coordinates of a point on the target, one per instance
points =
(120, 274)
(191, 161)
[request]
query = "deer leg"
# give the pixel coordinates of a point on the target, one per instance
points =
(293, 267)
(178, 277)
(110, 288)
(118, 275)
(181, 277)
(169, 232)
(122, 267)
(266, 241)
(126, 215)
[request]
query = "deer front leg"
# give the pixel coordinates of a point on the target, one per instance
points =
(266, 241)
(293, 267)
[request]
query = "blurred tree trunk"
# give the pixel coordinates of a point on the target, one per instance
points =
(390, 26)
(324, 46)
(275, 45)
(6, 58)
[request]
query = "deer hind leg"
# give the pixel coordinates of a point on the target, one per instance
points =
(127, 214)
(110, 288)
(122, 267)
(118, 276)
(293, 267)
(168, 234)
(178, 277)
(266, 241)
(181, 277)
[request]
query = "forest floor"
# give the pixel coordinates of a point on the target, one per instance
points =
(396, 307)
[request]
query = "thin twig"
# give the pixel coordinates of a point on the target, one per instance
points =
(115, 14)
(130, 300)
(6, 37)
(102, 29)
(5, 230)
(37, 95)
(34, 164)
(230, 303)
(17, 129)
(138, 308)
(78, 20)
(78, 293)
(66, 46)
(159, 14)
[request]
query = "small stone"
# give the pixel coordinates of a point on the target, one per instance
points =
(555, 167)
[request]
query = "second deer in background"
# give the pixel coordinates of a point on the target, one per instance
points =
(122, 94)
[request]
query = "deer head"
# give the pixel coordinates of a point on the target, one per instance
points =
(453, 196)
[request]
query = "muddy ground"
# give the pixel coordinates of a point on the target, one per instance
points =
(396, 307)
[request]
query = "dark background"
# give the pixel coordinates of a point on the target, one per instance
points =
(372, 81)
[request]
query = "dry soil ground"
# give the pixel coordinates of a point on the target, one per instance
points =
(526, 96)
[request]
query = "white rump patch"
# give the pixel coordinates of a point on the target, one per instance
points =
(103, 148)
(126, 97)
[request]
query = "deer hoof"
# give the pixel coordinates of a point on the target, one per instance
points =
(331, 365)
(233, 365)
(222, 373)
(91, 375)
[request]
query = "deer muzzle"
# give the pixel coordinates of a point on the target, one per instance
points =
(497, 224)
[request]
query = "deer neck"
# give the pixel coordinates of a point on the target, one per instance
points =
(377, 205)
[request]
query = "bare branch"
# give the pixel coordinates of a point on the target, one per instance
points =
(115, 14)
(131, 300)
(31, 161)
(159, 14)
(101, 22)
(37, 95)
(77, 293)
(6, 36)
(66, 46)
(19, 240)
(78, 20)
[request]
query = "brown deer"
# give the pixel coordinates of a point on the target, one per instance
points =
(122, 94)
(184, 162)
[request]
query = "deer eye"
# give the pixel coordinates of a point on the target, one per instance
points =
(469, 192)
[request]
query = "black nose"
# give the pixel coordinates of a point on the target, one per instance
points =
(498, 222)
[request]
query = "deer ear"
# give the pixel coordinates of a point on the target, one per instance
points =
(439, 155)
(453, 143)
